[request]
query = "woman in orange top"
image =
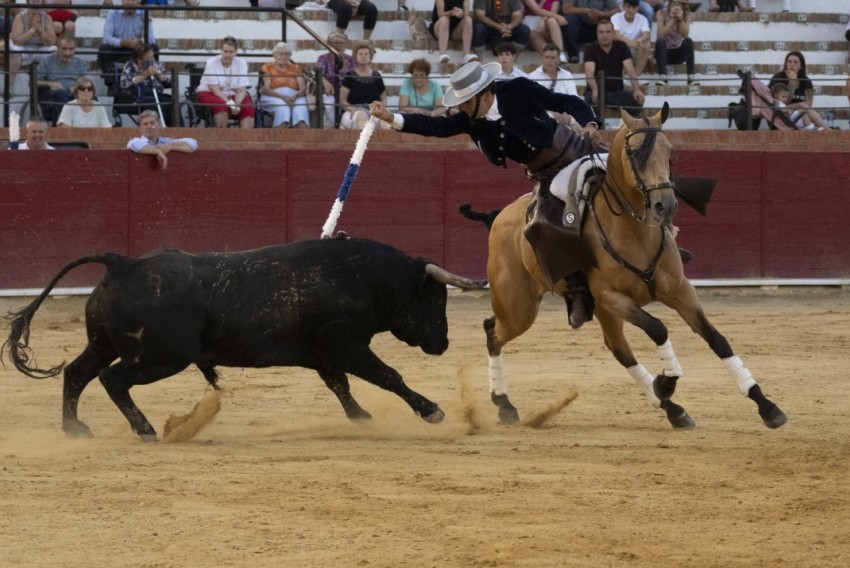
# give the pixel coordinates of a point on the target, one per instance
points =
(283, 90)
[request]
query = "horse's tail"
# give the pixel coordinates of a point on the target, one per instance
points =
(18, 342)
(486, 218)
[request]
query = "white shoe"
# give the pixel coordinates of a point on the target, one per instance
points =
(470, 57)
(563, 58)
(662, 81)
(444, 58)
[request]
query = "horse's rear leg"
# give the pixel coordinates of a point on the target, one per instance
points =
(687, 305)
(615, 340)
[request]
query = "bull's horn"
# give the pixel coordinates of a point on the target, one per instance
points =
(446, 277)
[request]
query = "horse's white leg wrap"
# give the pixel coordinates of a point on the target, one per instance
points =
(740, 373)
(498, 383)
(644, 379)
(669, 362)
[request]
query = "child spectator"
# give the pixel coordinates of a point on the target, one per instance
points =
(801, 116)
(507, 54)
(632, 28)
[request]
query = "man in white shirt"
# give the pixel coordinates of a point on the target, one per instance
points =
(36, 136)
(507, 54)
(632, 28)
(551, 76)
(150, 142)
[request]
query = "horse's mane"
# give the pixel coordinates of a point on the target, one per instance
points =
(644, 151)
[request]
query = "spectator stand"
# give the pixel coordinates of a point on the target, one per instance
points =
(755, 42)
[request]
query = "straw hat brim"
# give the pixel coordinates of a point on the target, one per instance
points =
(488, 75)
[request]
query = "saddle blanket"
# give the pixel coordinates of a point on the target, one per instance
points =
(572, 180)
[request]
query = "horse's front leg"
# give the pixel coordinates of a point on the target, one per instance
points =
(611, 318)
(688, 307)
(508, 413)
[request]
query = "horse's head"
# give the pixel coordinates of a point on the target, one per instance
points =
(640, 161)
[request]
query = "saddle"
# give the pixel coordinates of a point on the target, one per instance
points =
(554, 219)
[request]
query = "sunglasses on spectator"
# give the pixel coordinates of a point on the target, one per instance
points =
(85, 88)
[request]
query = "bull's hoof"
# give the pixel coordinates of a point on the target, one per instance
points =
(664, 387)
(435, 417)
(774, 418)
(359, 415)
(77, 429)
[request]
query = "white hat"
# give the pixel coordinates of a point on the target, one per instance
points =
(470, 80)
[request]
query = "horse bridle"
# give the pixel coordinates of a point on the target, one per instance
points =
(647, 275)
(641, 186)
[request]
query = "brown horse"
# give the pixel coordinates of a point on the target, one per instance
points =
(626, 225)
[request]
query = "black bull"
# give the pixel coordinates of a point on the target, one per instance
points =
(314, 304)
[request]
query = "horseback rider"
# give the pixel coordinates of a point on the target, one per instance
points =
(508, 120)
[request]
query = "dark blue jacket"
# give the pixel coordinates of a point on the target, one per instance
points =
(522, 131)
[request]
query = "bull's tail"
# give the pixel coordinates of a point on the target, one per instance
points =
(486, 218)
(18, 342)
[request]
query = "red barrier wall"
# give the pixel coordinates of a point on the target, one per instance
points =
(773, 214)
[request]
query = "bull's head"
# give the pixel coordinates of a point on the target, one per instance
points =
(425, 324)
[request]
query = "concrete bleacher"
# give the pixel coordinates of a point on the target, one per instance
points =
(755, 42)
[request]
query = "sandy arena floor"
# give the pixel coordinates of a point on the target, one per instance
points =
(282, 479)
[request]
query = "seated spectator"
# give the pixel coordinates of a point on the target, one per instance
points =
(36, 135)
(728, 6)
(786, 6)
(419, 94)
(612, 57)
(673, 44)
(507, 54)
(801, 116)
(224, 87)
(83, 111)
(631, 28)
(123, 31)
(332, 77)
(550, 74)
(582, 18)
(794, 75)
(150, 141)
(143, 80)
(558, 80)
(547, 25)
(283, 90)
(496, 21)
(56, 75)
(647, 9)
(450, 19)
(360, 88)
(64, 18)
(347, 9)
(32, 30)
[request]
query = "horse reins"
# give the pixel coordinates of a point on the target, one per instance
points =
(647, 275)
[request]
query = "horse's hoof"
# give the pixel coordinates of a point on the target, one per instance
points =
(508, 415)
(683, 421)
(148, 438)
(774, 418)
(435, 417)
